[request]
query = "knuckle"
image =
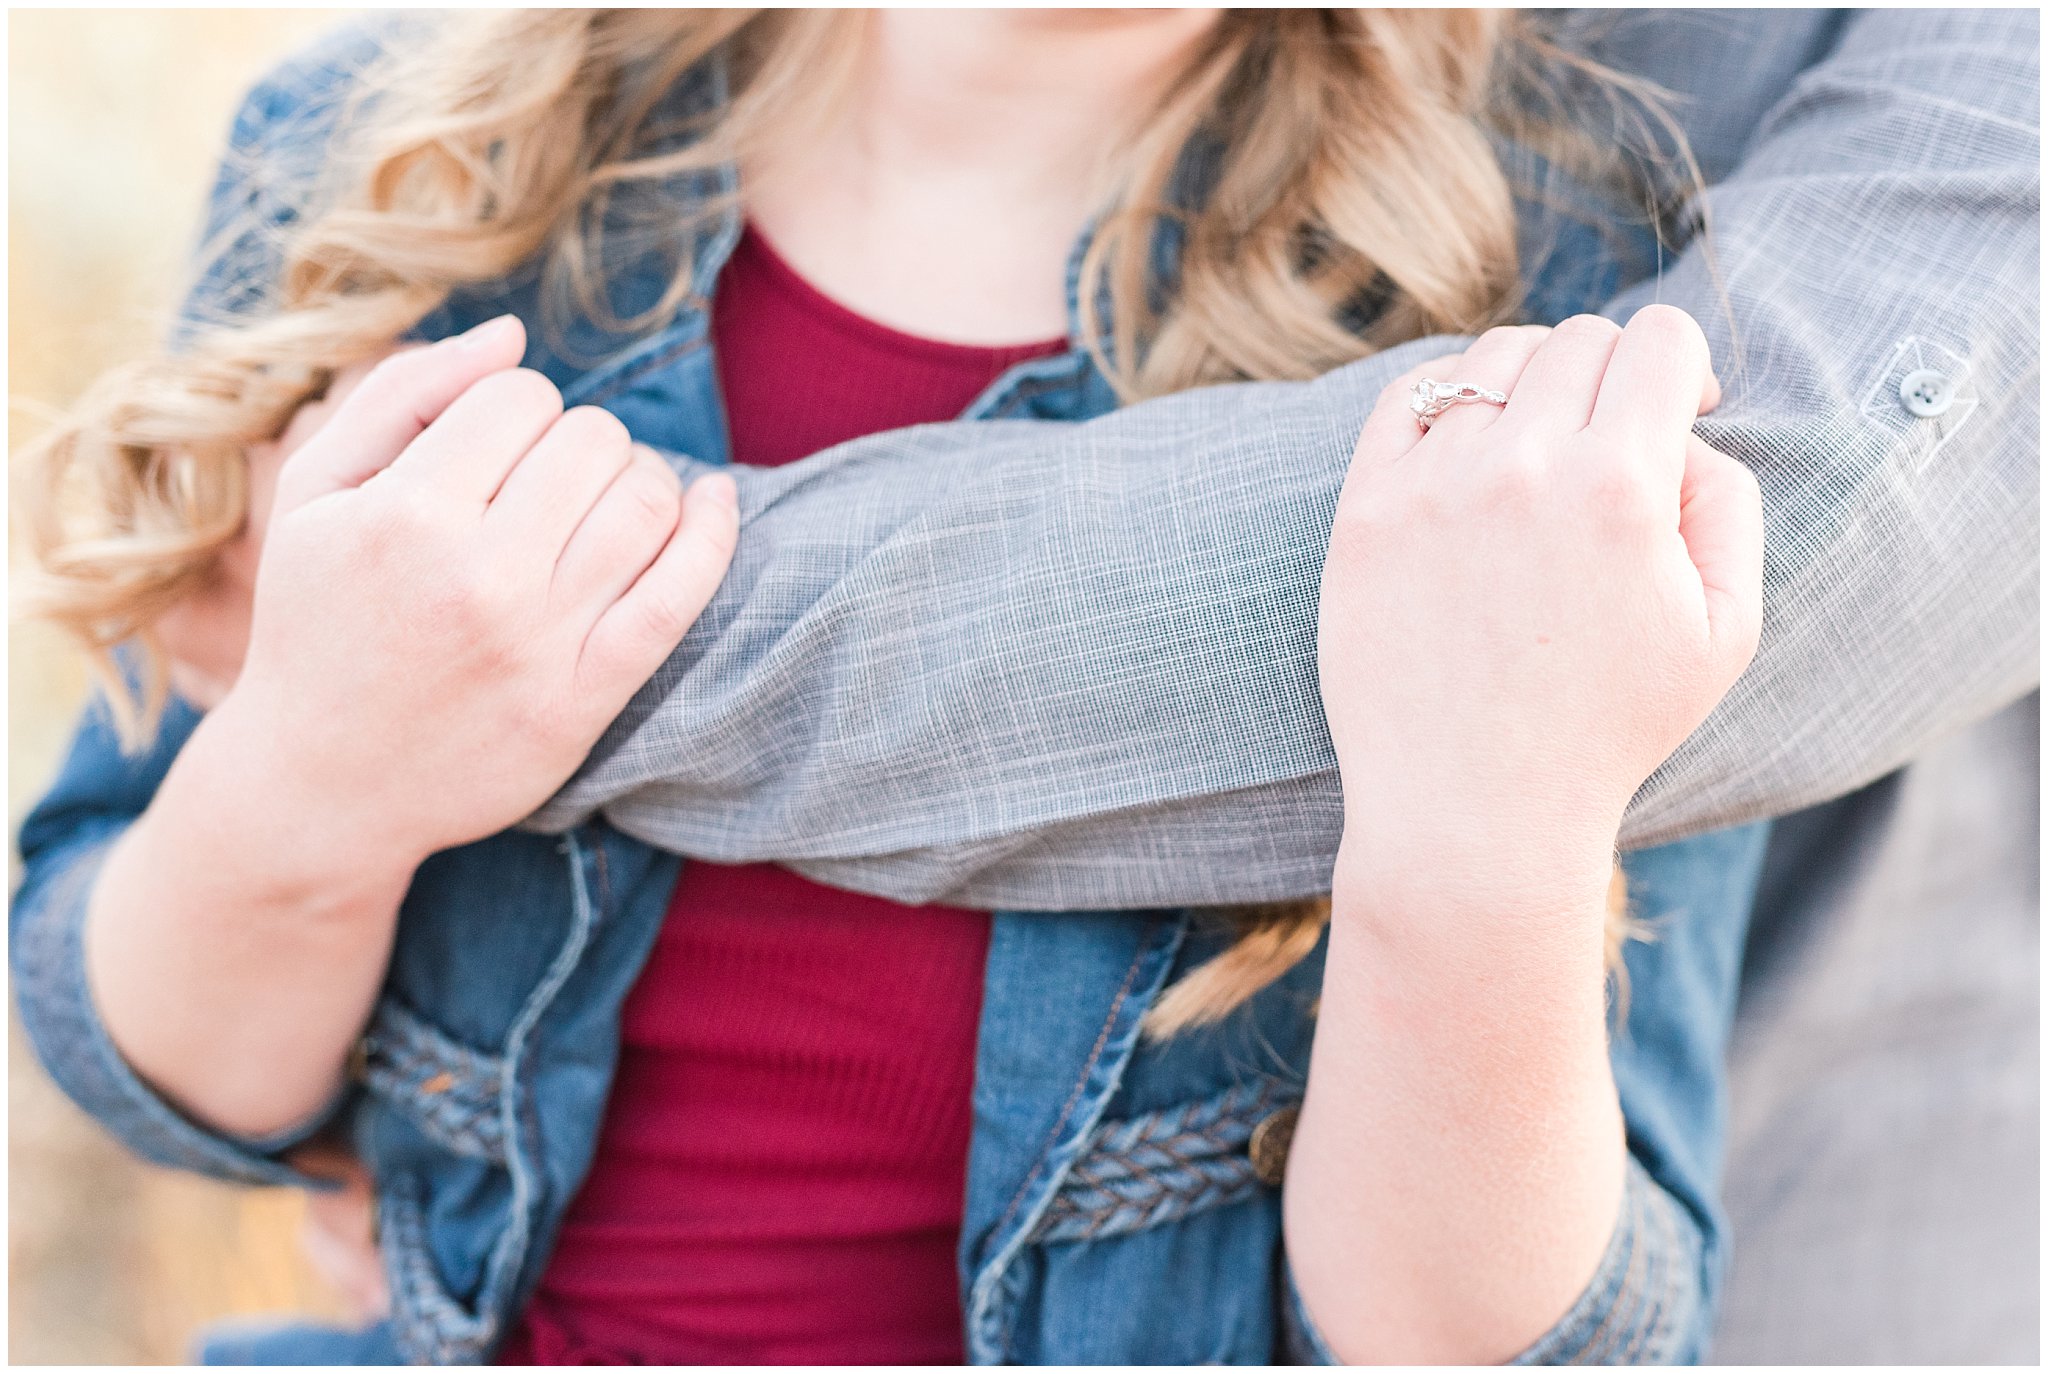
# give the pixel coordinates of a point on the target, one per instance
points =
(659, 619)
(650, 497)
(721, 538)
(404, 519)
(1518, 481)
(1752, 489)
(521, 391)
(1513, 335)
(1620, 494)
(595, 427)
(1587, 328)
(386, 378)
(457, 609)
(1435, 506)
(663, 616)
(1668, 322)
(1368, 510)
(1673, 335)
(355, 375)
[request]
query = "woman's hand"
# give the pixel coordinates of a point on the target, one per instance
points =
(460, 586)
(206, 635)
(1526, 609)
(338, 1232)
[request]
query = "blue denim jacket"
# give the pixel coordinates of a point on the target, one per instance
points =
(1118, 1209)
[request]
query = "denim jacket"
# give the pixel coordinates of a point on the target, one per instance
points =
(1122, 1199)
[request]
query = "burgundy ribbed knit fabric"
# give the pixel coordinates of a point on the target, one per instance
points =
(780, 1173)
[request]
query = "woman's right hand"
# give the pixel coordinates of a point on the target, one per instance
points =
(460, 586)
(338, 1230)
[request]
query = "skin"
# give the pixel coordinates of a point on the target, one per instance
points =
(460, 585)
(1523, 613)
(1536, 602)
(944, 194)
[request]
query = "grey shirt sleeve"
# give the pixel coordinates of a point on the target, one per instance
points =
(1045, 666)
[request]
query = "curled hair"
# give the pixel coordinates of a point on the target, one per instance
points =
(1350, 199)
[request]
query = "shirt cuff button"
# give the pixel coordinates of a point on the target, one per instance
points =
(1927, 393)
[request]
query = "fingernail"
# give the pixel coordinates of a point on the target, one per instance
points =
(485, 334)
(717, 486)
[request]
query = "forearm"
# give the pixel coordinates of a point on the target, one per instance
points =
(236, 937)
(1048, 666)
(1458, 1167)
(1902, 577)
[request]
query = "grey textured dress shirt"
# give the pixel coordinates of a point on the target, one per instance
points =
(1034, 666)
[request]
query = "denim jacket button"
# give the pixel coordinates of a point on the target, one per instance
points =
(1269, 1144)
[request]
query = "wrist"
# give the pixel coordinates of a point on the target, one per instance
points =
(1469, 856)
(1458, 956)
(292, 819)
(1451, 885)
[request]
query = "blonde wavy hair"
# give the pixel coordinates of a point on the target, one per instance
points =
(1353, 199)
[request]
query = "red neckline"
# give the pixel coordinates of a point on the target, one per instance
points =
(850, 321)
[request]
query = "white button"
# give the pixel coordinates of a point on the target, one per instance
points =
(1927, 393)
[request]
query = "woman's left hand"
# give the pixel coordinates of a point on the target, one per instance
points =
(1527, 608)
(1524, 610)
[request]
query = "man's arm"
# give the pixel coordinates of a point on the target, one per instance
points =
(1054, 666)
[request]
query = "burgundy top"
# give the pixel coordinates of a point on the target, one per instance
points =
(783, 1160)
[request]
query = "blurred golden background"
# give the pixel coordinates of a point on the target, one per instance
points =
(117, 117)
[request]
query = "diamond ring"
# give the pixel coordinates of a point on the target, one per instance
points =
(1432, 398)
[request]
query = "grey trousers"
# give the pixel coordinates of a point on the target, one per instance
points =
(1884, 1142)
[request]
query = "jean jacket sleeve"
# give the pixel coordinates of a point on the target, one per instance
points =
(275, 147)
(98, 794)
(1645, 1304)
(1655, 1295)
(1044, 666)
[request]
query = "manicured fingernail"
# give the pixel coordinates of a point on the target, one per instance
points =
(717, 486)
(486, 334)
